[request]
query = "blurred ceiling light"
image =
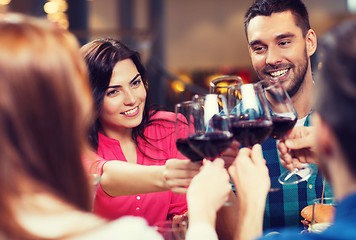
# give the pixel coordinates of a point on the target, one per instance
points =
(64, 23)
(351, 5)
(178, 86)
(56, 12)
(62, 6)
(4, 2)
(51, 7)
(56, 17)
(185, 78)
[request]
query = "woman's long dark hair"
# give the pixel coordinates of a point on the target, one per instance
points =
(101, 57)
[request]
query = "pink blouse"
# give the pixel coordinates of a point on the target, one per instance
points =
(153, 207)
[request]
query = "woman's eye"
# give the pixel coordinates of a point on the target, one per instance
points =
(112, 92)
(137, 82)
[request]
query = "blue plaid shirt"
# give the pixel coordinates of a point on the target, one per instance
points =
(284, 206)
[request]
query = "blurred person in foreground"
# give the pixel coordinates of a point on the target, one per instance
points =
(280, 43)
(45, 113)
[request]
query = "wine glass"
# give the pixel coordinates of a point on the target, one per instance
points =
(323, 214)
(251, 122)
(210, 124)
(182, 124)
(222, 84)
(284, 117)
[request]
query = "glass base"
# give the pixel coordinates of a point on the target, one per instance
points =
(319, 227)
(296, 176)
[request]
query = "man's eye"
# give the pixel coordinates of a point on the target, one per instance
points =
(284, 43)
(258, 49)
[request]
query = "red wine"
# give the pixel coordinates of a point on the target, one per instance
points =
(211, 144)
(249, 133)
(185, 149)
(281, 126)
(220, 122)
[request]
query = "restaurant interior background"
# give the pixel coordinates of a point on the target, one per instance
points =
(184, 43)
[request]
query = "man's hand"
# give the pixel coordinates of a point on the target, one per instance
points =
(297, 148)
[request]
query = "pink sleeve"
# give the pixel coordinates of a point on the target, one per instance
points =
(97, 165)
(93, 163)
(178, 205)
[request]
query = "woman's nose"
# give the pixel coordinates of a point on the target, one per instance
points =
(129, 97)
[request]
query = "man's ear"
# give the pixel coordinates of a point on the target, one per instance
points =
(324, 135)
(311, 42)
(249, 49)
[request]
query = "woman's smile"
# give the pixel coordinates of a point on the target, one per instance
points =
(132, 112)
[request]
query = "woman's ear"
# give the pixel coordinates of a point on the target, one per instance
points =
(324, 136)
(311, 42)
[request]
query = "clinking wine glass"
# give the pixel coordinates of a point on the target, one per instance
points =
(222, 84)
(284, 118)
(183, 127)
(212, 135)
(210, 124)
(251, 122)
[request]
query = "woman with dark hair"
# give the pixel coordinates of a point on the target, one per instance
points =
(142, 170)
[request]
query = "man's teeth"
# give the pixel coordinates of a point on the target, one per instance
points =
(279, 73)
(130, 111)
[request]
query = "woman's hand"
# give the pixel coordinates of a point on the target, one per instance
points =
(250, 174)
(297, 148)
(208, 191)
(178, 173)
(230, 154)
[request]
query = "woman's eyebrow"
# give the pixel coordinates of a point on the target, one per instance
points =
(137, 75)
(117, 86)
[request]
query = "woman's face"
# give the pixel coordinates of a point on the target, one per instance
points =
(124, 100)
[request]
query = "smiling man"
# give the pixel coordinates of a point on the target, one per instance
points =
(280, 43)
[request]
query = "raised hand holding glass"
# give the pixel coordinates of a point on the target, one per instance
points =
(284, 117)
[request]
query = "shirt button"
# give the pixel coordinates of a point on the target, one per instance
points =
(310, 186)
(137, 208)
(138, 197)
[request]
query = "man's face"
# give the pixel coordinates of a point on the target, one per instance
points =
(278, 50)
